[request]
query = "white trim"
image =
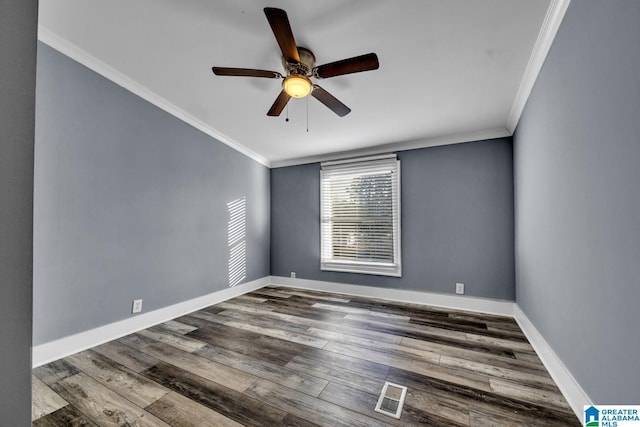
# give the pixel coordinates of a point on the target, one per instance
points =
(457, 302)
(398, 146)
(337, 171)
(569, 387)
(548, 31)
(359, 159)
(571, 390)
(372, 268)
(77, 54)
(74, 52)
(54, 350)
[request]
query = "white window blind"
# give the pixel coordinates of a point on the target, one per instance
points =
(360, 215)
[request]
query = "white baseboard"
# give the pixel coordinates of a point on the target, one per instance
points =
(458, 302)
(575, 395)
(571, 390)
(54, 350)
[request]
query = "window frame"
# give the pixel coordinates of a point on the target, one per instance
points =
(358, 167)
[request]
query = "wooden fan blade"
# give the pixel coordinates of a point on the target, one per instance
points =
(281, 28)
(245, 72)
(347, 66)
(279, 104)
(330, 101)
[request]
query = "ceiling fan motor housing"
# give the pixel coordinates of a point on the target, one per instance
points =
(305, 67)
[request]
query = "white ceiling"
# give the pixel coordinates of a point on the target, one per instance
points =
(450, 70)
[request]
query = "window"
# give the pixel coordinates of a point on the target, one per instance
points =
(360, 215)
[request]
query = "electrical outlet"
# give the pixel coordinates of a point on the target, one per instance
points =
(460, 288)
(137, 306)
(293, 274)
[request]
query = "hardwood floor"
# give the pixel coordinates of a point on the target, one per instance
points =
(292, 357)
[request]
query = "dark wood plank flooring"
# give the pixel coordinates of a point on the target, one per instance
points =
(293, 357)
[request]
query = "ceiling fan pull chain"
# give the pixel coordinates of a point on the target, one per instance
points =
(287, 119)
(307, 114)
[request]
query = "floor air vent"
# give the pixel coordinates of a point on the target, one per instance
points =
(391, 399)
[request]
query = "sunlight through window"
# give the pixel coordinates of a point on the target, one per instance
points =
(236, 233)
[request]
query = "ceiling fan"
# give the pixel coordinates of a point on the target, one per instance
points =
(300, 68)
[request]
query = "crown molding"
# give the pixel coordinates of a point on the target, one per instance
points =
(458, 138)
(77, 54)
(548, 31)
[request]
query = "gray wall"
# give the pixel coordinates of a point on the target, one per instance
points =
(457, 221)
(130, 202)
(577, 176)
(18, 26)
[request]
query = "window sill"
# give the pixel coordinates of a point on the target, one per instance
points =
(373, 269)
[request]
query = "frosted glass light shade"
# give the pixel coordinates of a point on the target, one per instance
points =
(297, 86)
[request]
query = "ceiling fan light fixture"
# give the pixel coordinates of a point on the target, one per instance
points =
(300, 68)
(297, 86)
